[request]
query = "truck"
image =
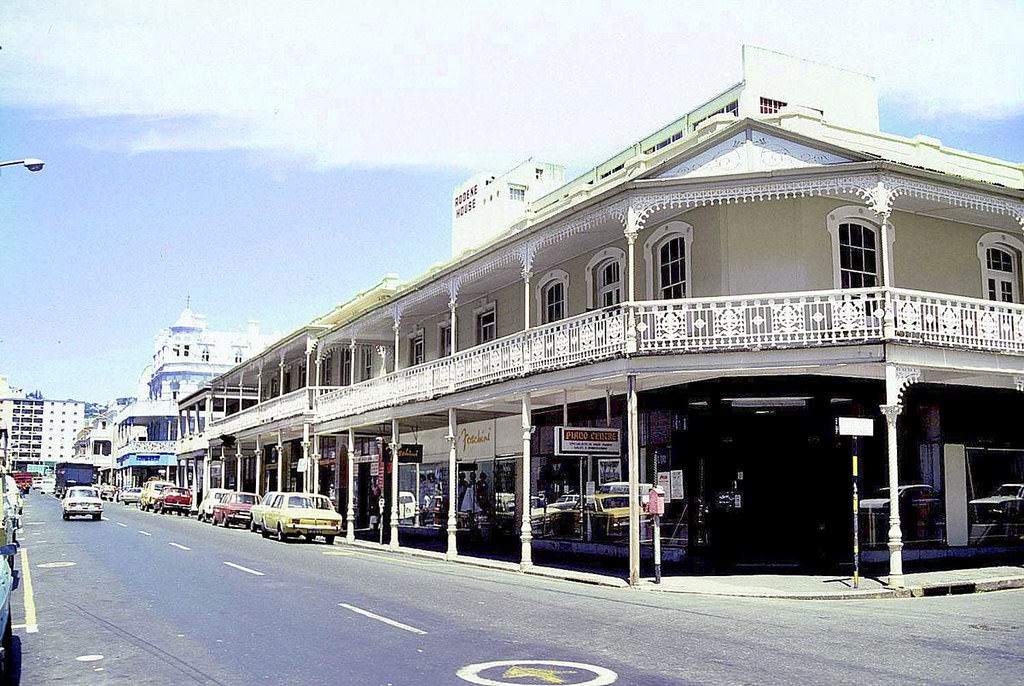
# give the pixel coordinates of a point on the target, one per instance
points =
(72, 474)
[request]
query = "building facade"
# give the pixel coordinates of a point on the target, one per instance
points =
(696, 313)
(40, 432)
(186, 355)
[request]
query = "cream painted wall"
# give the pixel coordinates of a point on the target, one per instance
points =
(935, 255)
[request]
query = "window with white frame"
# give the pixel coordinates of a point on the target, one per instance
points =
(486, 324)
(856, 247)
(444, 339)
(553, 296)
(346, 367)
(604, 278)
(366, 361)
(416, 355)
(667, 251)
(1000, 256)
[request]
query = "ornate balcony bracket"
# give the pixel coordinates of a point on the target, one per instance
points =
(905, 378)
(1018, 383)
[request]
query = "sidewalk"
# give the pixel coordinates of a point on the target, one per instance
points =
(782, 586)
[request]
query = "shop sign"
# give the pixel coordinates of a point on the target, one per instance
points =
(476, 440)
(665, 481)
(855, 426)
(410, 453)
(301, 466)
(586, 441)
(676, 479)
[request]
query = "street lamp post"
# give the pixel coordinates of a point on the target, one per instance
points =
(29, 163)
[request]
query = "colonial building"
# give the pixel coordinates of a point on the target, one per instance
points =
(94, 444)
(696, 312)
(186, 355)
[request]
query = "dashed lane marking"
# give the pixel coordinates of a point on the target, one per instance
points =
(89, 658)
(31, 625)
(179, 546)
(244, 569)
(144, 533)
(122, 524)
(379, 618)
(56, 565)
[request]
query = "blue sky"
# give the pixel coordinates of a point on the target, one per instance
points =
(269, 168)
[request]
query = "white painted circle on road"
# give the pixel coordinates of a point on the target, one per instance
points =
(545, 672)
(89, 658)
(53, 565)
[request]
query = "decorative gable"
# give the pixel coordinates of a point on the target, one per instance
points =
(751, 151)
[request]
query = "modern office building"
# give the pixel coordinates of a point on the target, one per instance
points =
(40, 432)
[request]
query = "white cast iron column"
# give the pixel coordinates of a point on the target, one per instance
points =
(526, 528)
(259, 466)
(633, 478)
(305, 456)
(631, 232)
(393, 543)
(350, 508)
(280, 462)
(452, 551)
(223, 468)
(238, 465)
(896, 380)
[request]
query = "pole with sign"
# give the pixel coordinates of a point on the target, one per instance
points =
(855, 427)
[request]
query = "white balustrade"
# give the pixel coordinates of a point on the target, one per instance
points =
(965, 323)
(272, 409)
(147, 447)
(697, 325)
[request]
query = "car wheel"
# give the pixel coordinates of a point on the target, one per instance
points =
(8, 646)
(329, 540)
(263, 532)
(95, 518)
(280, 534)
(66, 516)
(309, 538)
(252, 525)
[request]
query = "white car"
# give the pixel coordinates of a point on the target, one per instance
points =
(82, 501)
(47, 484)
(1006, 503)
(211, 498)
(406, 505)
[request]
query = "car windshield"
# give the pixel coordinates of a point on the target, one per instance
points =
(617, 501)
(176, 491)
(83, 493)
(245, 499)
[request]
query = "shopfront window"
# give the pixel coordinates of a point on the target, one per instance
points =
(995, 488)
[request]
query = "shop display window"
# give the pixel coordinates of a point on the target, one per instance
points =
(995, 488)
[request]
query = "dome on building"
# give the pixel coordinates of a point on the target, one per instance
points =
(188, 320)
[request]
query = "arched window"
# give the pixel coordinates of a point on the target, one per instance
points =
(1000, 256)
(604, 275)
(856, 247)
(668, 261)
(553, 296)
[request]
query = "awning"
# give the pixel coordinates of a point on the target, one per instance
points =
(146, 460)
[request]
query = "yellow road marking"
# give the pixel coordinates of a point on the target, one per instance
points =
(31, 625)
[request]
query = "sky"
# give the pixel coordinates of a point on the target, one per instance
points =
(267, 160)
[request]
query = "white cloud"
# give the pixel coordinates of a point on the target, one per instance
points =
(472, 84)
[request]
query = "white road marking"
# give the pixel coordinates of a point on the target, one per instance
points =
(180, 546)
(389, 622)
(89, 658)
(144, 533)
(244, 569)
(105, 519)
(549, 671)
(122, 524)
(55, 565)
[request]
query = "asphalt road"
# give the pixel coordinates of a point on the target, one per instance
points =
(160, 599)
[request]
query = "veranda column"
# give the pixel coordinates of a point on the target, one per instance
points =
(393, 543)
(280, 462)
(280, 377)
(527, 347)
(633, 477)
(206, 470)
(314, 466)
(526, 528)
(631, 232)
(895, 381)
(259, 384)
(259, 467)
(350, 508)
(397, 327)
(880, 200)
(305, 456)
(352, 361)
(223, 468)
(452, 550)
(238, 465)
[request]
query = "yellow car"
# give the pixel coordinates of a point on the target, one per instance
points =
(152, 492)
(300, 514)
(611, 516)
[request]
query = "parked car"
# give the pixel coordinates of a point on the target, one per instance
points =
(6, 619)
(257, 510)
(1006, 504)
(406, 505)
(234, 508)
(610, 517)
(622, 487)
(129, 495)
(175, 499)
(211, 498)
(47, 484)
(82, 501)
(908, 494)
(152, 493)
(303, 514)
(107, 492)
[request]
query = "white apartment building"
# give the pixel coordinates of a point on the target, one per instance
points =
(697, 312)
(40, 431)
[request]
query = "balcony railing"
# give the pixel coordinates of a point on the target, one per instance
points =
(758, 322)
(283, 406)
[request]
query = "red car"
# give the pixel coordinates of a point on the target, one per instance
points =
(234, 508)
(174, 499)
